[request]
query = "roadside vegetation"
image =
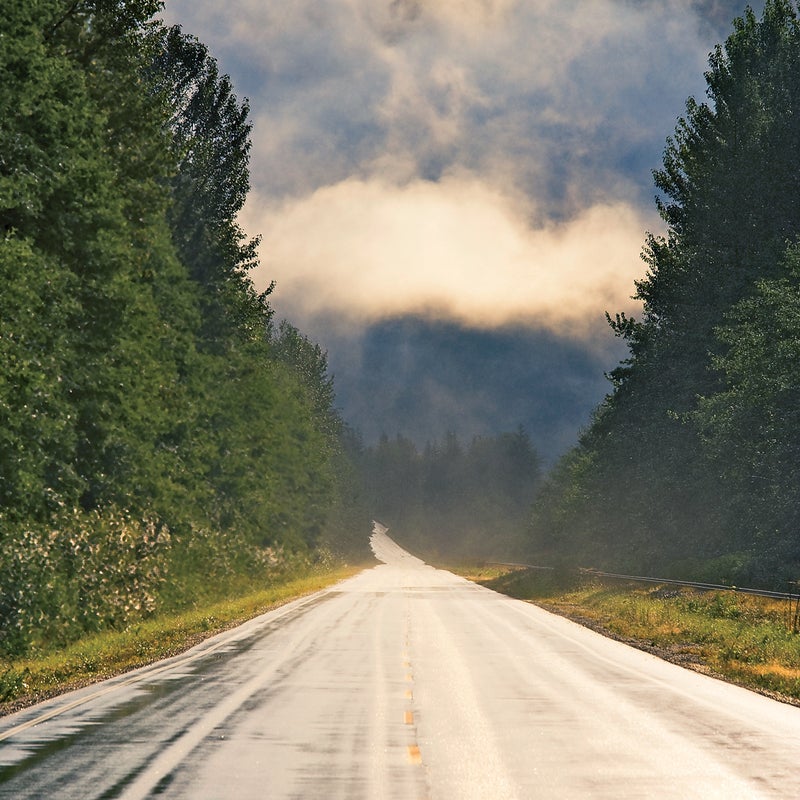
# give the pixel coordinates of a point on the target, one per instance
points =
(739, 638)
(164, 442)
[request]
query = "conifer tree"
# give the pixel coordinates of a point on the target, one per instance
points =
(644, 491)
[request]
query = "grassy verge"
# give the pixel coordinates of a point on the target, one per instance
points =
(27, 681)
(742, 639)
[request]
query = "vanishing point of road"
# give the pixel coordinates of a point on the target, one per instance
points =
(405, 682)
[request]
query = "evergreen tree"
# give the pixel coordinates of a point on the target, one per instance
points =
(451, 501)
(646, 487)
(210, 132)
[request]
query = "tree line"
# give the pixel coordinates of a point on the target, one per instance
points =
(162, 438)
(452, 500)
(690, 466)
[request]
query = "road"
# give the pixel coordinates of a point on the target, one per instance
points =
(405, 682)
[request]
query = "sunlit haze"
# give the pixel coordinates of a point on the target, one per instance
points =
(453, 248)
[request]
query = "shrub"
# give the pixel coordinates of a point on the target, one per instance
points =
(82, 572)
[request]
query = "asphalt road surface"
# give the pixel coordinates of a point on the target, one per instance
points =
(405, 682)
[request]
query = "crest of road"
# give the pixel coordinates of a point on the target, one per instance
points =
(405, 682)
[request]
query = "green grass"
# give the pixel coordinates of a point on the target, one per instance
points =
(94, 658)
(742, 639)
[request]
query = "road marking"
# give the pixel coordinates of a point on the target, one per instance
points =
(409, 678)
(414, 755)
(408, 717)
(409, 694)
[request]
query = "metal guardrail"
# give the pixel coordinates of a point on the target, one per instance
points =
(792, 597)
(720, 587)
(589, 571)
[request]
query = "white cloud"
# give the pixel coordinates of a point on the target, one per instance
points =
(487, 160)
(457, 248)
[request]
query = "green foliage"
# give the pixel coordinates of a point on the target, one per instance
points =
(95, 310)
(751, 427)
(692, 455)
(37, 426)
(83, 572)
(142, 386)
(310, 365)
(349, 517)
(211, 143)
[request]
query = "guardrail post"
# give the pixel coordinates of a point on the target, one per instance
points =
(794, 606)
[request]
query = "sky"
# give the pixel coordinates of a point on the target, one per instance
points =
(426, 172)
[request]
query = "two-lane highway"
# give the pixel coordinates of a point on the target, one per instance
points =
(405, 682)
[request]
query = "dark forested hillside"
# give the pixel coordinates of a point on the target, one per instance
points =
(424, 377)
(690, 463)
(159, 437)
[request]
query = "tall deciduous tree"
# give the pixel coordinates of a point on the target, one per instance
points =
(150, 416)
(751, 427)
(82, 208)
(210, 130)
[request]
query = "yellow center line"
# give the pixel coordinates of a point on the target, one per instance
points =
(414, 755)
(408, 717)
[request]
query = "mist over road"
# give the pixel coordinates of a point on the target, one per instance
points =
(405, 682)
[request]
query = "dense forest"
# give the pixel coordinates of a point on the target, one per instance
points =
(690, 466)
(452, 501)
(163, 440)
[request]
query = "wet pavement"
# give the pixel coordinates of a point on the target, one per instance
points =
(405, 682)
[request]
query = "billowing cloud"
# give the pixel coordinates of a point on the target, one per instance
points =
(455, 248)
(487, 160)
(484, 159)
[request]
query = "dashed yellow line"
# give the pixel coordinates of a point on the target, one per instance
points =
(414, 755)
